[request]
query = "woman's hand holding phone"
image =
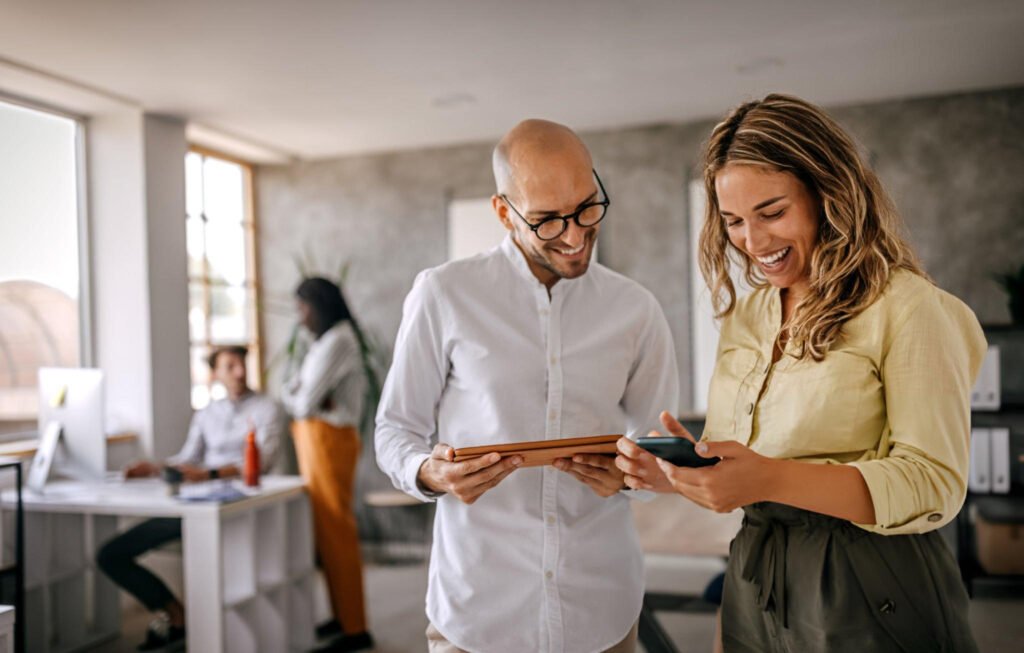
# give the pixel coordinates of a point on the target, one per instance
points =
(738, 478)
(641, 468)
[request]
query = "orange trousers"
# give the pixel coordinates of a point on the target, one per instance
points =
(327, 457)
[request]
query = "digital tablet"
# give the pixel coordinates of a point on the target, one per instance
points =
(543, 452)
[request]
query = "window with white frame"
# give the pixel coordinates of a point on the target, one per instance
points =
(223, 293)
(43, 306)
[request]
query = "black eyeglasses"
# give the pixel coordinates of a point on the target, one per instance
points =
(587, 215)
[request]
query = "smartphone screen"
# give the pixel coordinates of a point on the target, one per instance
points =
(678, 451)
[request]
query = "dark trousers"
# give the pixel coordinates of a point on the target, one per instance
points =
(117, 560)
(800, 582)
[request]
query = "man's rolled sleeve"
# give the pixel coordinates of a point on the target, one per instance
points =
(412, 486)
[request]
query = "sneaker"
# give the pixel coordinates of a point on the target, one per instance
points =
(328, 629)
(344, 643)
(162, 636)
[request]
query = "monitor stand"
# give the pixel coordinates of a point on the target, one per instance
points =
(42, 462)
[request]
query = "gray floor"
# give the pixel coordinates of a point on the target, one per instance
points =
(395, 598)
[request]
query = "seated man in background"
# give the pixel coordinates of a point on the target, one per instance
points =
(214, 449)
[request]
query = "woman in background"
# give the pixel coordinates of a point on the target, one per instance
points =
(326, 399)
(839, 404)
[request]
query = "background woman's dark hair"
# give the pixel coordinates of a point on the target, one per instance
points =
(325, 300)
(328, 307)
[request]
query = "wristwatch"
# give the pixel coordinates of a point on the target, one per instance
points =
(214, 473)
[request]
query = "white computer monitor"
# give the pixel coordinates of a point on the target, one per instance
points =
(73, 398)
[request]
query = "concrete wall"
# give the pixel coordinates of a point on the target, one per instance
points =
(955, 168)
(953, 164)
(385, 215)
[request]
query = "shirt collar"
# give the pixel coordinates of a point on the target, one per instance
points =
(242, 398)
(518, 260)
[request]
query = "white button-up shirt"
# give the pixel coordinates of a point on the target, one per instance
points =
(483, 355)
(331, 384)
(216, 436)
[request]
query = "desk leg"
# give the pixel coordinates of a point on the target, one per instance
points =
(204, 590)
(651, 634)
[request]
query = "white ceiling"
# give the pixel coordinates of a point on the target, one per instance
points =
(319, 78)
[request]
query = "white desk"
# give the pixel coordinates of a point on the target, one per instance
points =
(248, 565)
(6, 629)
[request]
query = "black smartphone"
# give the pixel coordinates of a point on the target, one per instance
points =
(678, 451)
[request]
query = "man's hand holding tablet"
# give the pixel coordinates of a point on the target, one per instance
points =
(590, 460)
(466, 480)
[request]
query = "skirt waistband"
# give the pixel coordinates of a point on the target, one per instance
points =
(758, 514)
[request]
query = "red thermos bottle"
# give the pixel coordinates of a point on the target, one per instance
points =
(251, 472)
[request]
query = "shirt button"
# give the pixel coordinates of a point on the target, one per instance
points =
(551, 519)
(549, 575)
(554, 360)
(552, 415)
(934, 517)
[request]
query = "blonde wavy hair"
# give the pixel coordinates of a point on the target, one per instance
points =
(860, 242)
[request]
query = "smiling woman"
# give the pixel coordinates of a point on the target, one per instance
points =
(807, 214)
(845, 342)
(846, 371)
(778, 233)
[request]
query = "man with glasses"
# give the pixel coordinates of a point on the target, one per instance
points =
(528, 341)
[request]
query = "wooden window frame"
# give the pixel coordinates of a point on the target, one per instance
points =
(250, 228)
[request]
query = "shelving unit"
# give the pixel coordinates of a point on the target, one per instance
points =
(6, 629)
(1010, 340)
(249, 579)
(268, 567)
(66, 597)
(1010, 415)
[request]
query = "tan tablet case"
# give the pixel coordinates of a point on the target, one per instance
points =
(543, 452)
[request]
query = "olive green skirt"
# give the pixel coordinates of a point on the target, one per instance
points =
(802, 582)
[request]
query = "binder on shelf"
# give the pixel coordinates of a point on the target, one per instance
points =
(1000, 451)
(987, 393)
(980, 478)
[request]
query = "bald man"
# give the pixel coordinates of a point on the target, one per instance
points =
(530, 340)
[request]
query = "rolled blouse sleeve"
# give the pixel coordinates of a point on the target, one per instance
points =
(931, 357)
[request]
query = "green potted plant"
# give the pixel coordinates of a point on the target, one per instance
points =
(1013, 284)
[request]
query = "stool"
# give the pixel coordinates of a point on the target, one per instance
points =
(390, 504)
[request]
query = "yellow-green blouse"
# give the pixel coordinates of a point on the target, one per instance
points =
(891, 398)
